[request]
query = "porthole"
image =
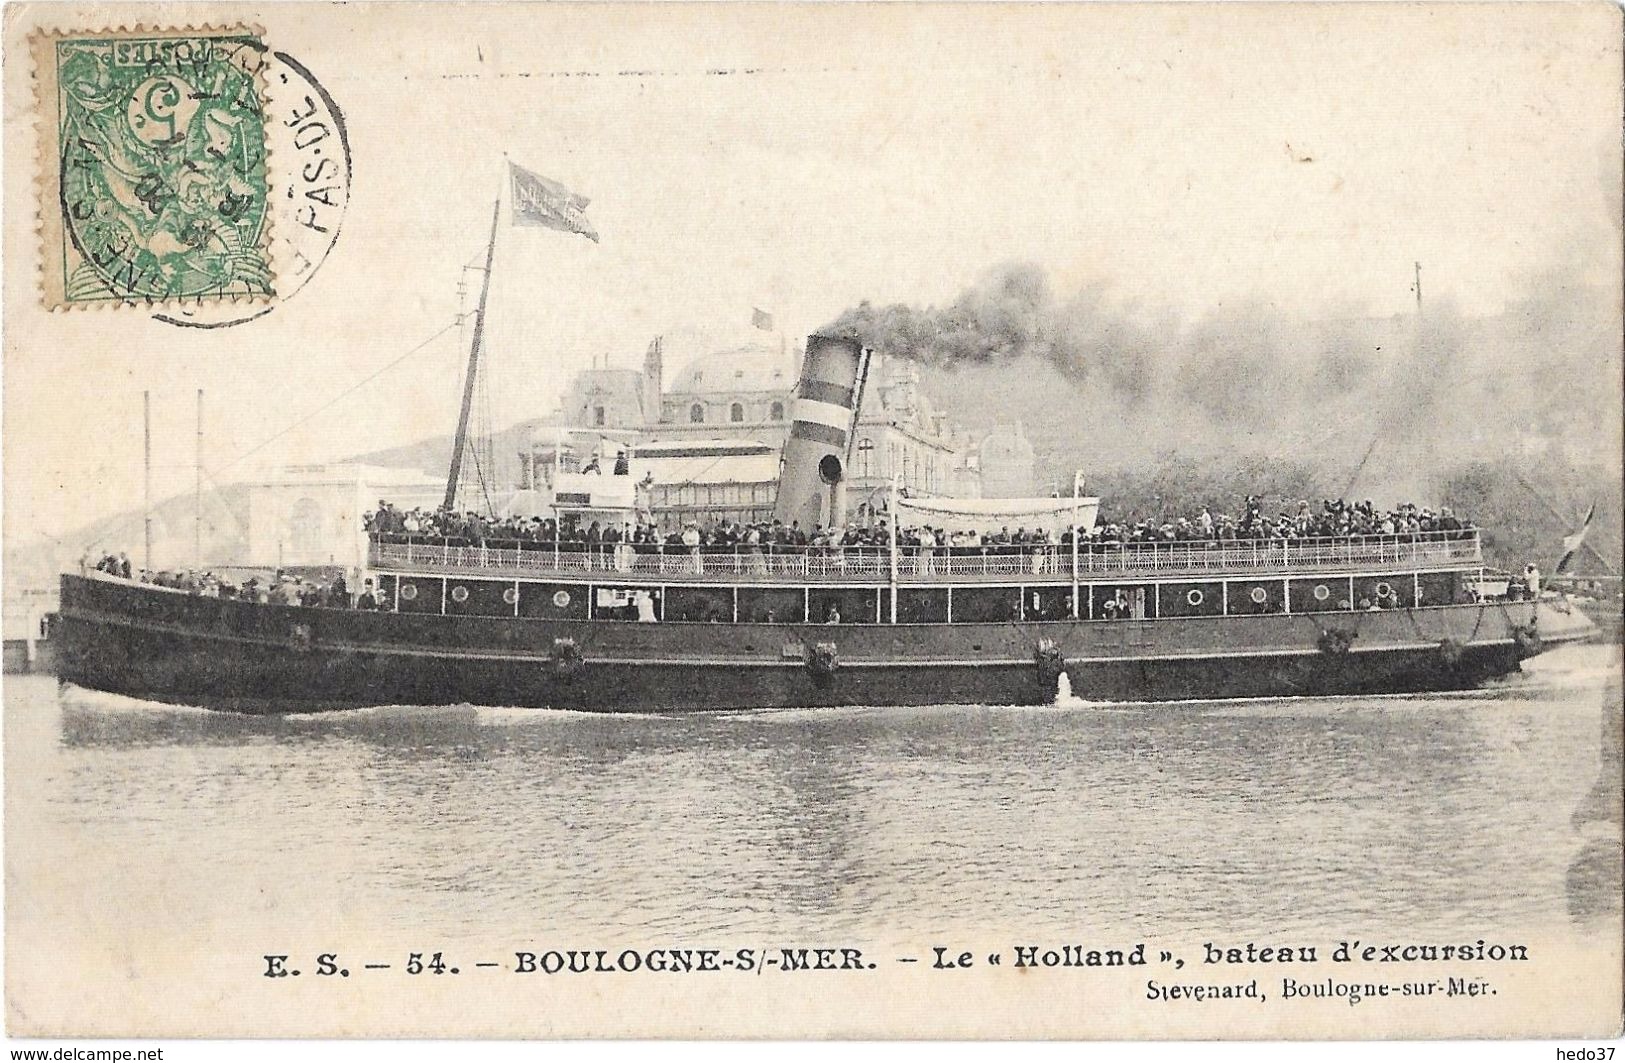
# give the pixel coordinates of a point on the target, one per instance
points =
(1259, 595)
(1322, 592)
(1195, 596)
(561, 599)
(409, 592)
(1384, 590)
(511, 595)
(459, 595)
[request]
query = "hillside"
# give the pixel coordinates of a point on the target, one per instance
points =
(1146, 461)
(433, 455)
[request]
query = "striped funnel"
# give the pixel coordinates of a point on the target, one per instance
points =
(810, 483)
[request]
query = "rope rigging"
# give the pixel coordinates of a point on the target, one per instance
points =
(118, 526)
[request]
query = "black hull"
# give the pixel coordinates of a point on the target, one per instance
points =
(153, 644)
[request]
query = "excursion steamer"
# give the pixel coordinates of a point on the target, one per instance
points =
(656, 628)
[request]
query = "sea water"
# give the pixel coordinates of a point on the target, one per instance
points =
(1448, 812)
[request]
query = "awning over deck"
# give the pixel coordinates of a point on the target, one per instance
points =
(989, 515)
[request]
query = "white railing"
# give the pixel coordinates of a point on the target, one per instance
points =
(1409, 551)
(871, 564)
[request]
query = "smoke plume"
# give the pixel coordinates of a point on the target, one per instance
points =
(1011, 313)
(1370, 401)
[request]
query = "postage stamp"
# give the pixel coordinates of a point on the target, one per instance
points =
(154, 181)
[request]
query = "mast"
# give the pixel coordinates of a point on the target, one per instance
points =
(146, 489)
(1416, 328)
(1077, 475)
(473, 362)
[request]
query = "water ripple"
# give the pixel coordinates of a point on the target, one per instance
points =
(1436, 812)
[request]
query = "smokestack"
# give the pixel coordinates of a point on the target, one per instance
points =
(810, 483)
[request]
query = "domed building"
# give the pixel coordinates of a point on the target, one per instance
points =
(712, 450)
(1007, 463)
(741, 385)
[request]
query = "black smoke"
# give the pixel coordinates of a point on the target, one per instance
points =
(1012, 313)
(1551, 359)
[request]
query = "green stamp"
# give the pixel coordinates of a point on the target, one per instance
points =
(162, 184)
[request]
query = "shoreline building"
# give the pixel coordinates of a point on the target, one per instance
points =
(710, 440)
(310, 515)
(1008, 463)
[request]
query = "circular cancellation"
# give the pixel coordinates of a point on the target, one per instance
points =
(459, 595)
(1322, 592)
(1194, 596)
(511, 595)
(1259, 595)
(409, 592)
(561, 599)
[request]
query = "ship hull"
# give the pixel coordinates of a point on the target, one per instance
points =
(156, 644)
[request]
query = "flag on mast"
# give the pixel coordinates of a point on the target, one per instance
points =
(1573, 541)
(538, 200)
(761, 319)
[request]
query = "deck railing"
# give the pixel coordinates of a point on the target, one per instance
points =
(920, 565)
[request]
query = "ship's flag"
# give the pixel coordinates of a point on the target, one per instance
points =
(537, 200)
(1573, 541)
(761, 319)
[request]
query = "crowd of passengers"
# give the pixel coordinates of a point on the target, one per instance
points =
(291, 589)
(282, 588)
(1335, 518)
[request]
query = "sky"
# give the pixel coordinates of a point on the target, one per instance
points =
(802, 159)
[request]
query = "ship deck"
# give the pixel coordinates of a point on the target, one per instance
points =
(869, 565)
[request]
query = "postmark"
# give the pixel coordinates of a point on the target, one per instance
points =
(155, 184)
(308, 177)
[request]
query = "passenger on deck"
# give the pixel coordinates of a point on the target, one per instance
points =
(691, 541)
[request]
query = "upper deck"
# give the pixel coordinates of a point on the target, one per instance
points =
(993, 564)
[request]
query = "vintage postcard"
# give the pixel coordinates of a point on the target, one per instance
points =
(813, 521)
